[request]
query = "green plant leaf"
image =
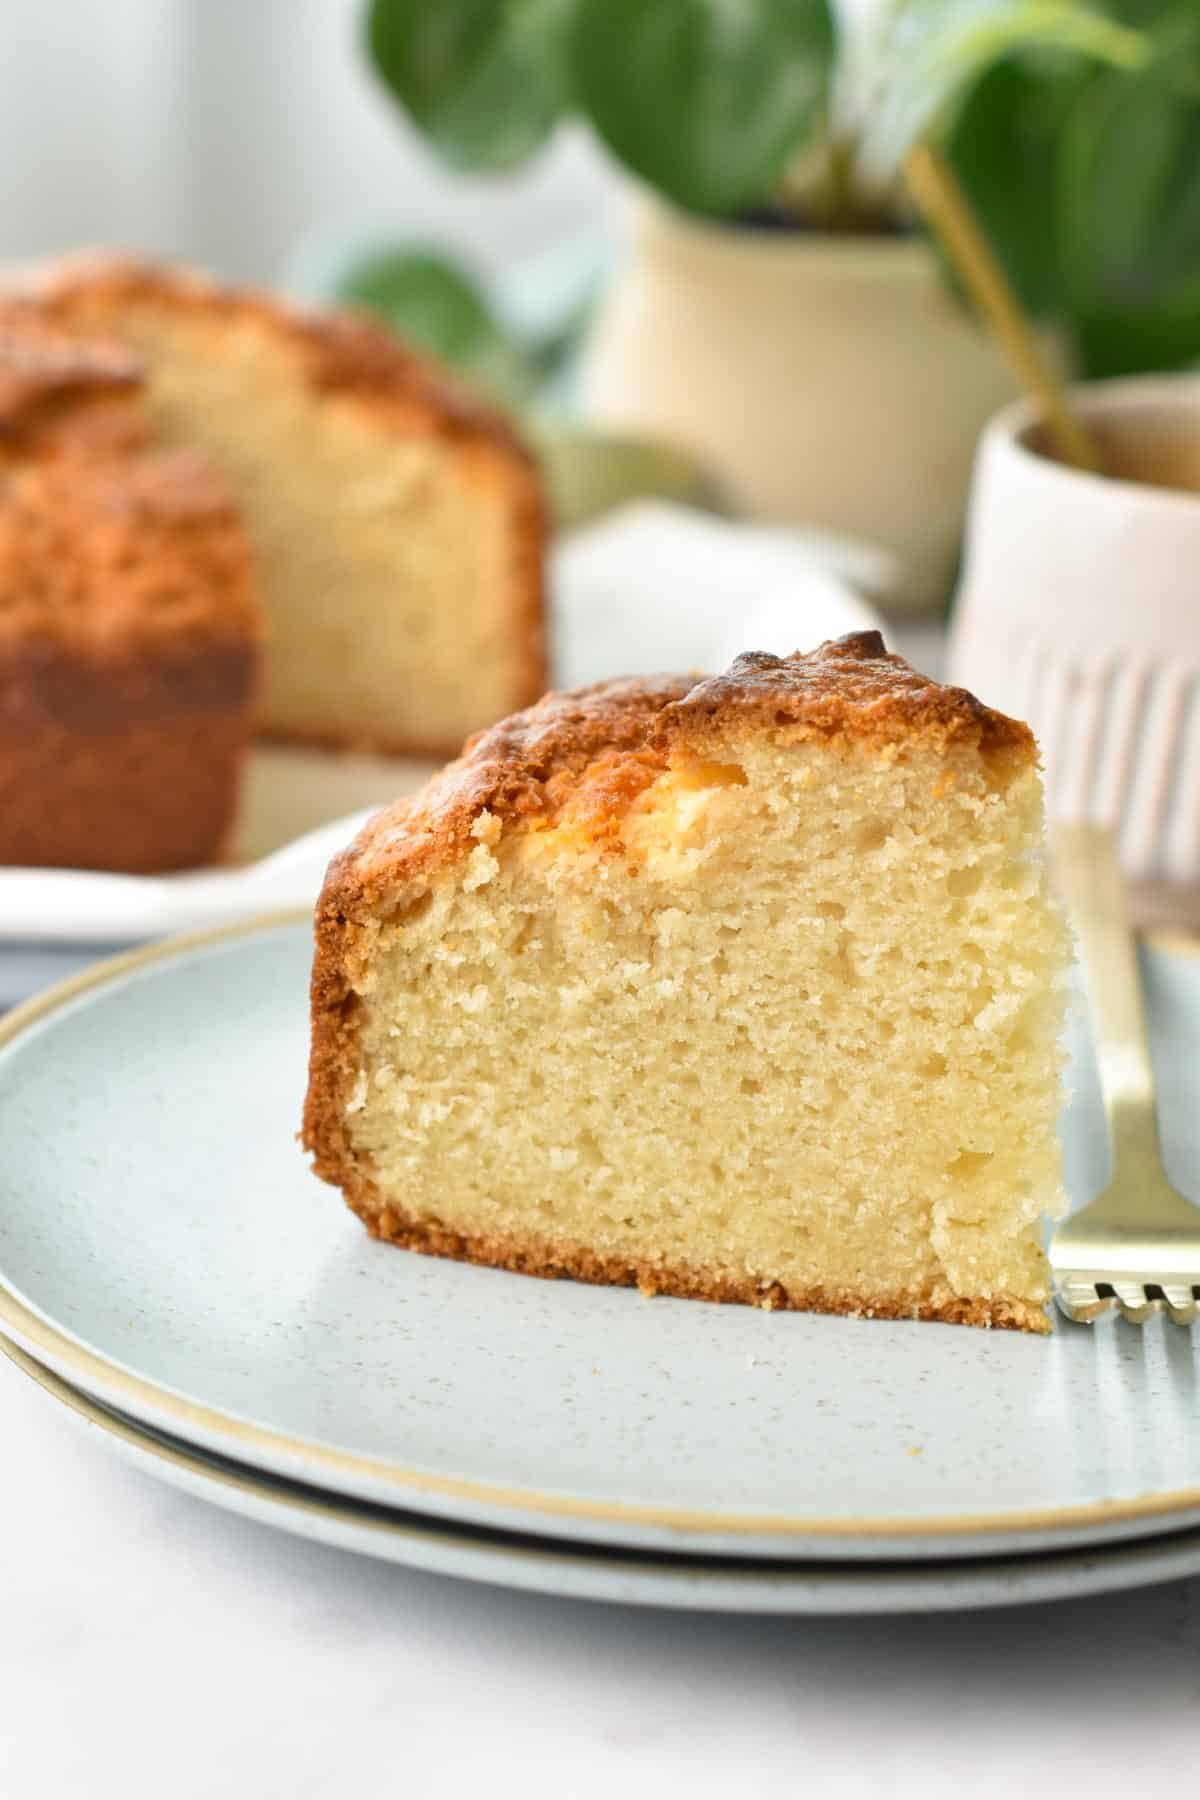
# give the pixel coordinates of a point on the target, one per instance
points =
(1002, 144)
(704, 99)
(425, 297)
(483, 79)
(589, 473)
(1127, 340)
(1128, 192)
(431, 302)
(1128, 204)
(1144, 15)
(1111, 244)
(933, 52)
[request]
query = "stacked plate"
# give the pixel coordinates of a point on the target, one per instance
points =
(171, 1271)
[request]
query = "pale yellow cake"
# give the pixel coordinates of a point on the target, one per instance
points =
(749, 989)
(397, 524)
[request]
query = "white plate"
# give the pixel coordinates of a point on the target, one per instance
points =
(55, 922)
(164, 1247)
(646, 1578)
(653, 586)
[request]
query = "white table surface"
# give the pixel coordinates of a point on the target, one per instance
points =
(154, 1646)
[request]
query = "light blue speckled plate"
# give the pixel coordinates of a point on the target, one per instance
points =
(164, 1247)
(630, 1577)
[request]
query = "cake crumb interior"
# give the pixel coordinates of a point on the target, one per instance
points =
(792, 1033)
(356, 530)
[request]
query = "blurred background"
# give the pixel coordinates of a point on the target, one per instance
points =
(675, 237)
(232, 135)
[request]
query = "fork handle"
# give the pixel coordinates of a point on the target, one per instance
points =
(1089, 876)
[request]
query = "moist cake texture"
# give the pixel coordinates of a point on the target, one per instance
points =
(129, 633)
(748, 989)
(397, 525)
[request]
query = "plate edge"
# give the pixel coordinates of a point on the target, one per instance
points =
(102, 1379)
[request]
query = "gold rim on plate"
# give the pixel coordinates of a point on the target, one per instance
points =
(247, 1442)
(256, 1484)
(700, 1576)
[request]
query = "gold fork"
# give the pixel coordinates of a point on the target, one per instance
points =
(1138, 1245)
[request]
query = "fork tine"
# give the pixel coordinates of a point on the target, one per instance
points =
(1135, 1305)
(1140, 1239)
(1180, 1301)
(1080, 1301)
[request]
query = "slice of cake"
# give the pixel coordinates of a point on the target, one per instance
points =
(747, 990)
(397, 525)
(129, 633)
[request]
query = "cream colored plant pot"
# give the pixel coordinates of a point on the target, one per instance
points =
(826, 380)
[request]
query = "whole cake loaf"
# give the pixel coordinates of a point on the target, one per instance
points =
(746, 989)
(397, 526)
(129, 631)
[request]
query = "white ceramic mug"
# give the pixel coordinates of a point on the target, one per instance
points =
(1079, 610)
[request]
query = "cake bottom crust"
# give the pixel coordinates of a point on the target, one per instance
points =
(575, 1262)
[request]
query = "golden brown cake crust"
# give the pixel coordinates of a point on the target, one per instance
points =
(852, 688)
(342, 353)
(518, 769)
(508, 770)
(596, 749)
(45, 374)
(129, 634)
(578, 1263)
(115, 556)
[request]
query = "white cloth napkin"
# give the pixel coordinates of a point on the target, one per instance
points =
(655, 587)
(652, 587)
